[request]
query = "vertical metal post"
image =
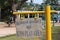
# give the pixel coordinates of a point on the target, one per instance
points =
(38, 15)
(48, 23)
(28, 20)
(28, 15)
(19, 16)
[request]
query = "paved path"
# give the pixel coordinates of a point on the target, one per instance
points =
(7, 31)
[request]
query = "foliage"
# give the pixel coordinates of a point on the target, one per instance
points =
(15, 1)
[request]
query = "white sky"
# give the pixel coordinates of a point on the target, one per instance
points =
(36, 1)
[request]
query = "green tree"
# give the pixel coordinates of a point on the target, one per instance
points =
(54, 4)
(17, 4)
(8, 5)
(3, 3)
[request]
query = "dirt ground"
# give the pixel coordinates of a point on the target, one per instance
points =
(5, 30)
(4, 25)
(56, 24)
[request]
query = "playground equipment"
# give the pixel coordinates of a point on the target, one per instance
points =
(29, 27)
(48, 19)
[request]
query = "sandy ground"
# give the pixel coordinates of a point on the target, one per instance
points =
(4, 25)
(57, 24)
(5, 30)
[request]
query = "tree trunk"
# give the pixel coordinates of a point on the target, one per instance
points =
(15, 6)
(0, 14)
(19, 3)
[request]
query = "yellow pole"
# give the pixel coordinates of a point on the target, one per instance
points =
(48, 23)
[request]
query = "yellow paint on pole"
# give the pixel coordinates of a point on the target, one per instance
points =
(48, 23)
(31, 12)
